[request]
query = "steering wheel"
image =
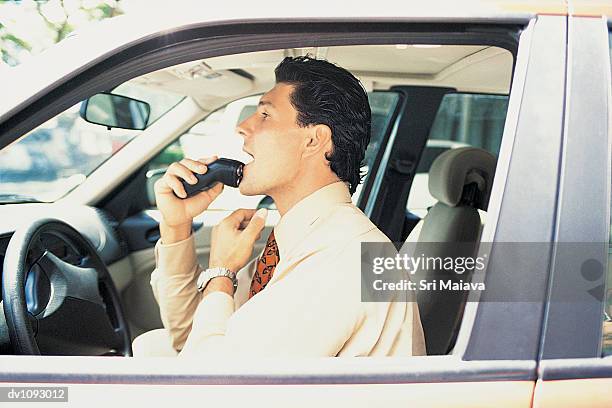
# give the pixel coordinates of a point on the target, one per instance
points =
(56, 307)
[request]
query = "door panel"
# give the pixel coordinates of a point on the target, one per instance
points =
(572, 383)
(572, 372)
(591, 393)
(434, 381)
(523, 204)
(575, 304)
(461, 395)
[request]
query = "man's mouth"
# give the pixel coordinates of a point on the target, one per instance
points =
(249, 157)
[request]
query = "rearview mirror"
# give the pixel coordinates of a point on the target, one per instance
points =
(116, 111)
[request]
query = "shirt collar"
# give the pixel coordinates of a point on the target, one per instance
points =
(296, 222)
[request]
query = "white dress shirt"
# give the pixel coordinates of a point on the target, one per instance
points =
(311, 307)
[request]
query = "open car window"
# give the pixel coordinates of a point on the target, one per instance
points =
(58, 155)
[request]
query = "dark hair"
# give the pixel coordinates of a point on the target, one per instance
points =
(327, 94)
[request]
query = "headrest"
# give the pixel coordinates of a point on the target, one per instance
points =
(457, 168)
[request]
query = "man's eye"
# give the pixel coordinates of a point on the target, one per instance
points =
(264, 114)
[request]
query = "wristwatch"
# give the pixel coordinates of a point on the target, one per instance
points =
(208, 274)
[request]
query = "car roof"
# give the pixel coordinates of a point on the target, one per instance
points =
(108, 37)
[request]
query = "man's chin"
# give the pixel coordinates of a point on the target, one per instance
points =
(247, 189)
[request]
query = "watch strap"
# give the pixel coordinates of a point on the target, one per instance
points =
(208, 274)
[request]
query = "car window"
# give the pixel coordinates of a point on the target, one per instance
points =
(216, 135)
(607, 315)
(58, 155)
(474, 119)
(463, 119)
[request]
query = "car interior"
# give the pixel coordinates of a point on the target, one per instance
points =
(438, 115)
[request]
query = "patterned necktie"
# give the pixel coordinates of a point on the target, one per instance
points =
(265, 266)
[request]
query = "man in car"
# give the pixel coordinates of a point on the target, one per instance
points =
(301, 297)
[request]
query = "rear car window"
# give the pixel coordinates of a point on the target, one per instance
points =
(474, 119)
(463, 119)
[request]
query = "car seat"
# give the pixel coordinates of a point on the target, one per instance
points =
(460, 180)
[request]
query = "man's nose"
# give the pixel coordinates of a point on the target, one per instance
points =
(243, 128)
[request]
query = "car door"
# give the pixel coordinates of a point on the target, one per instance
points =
(576, 365)
(494, 360)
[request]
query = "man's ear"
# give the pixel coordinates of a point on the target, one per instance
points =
(318, 139)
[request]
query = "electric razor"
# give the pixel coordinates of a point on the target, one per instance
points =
(226, 171)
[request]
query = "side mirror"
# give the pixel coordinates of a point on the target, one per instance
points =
(115, 111)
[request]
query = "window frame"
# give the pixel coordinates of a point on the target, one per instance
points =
(451, 368)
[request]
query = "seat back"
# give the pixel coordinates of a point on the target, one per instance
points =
(460, 179)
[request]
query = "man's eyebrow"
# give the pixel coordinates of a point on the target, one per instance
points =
(266, 103)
